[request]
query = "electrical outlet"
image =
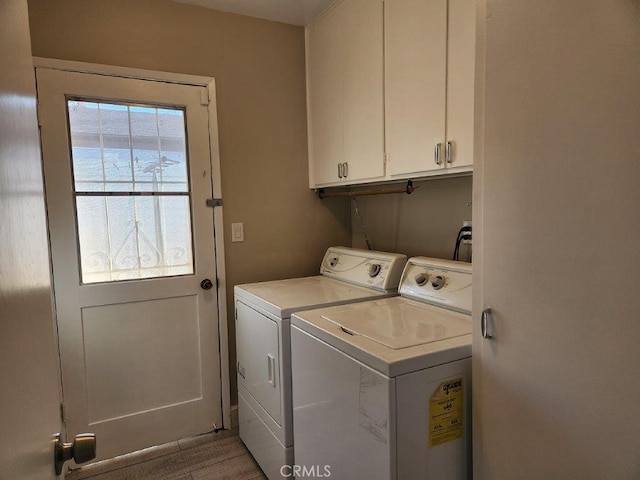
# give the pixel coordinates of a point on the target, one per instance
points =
(237, 232)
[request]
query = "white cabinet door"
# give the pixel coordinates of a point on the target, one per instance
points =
(556, 391)
(429, 81)
(345, 94)
(363, 90)
(415, 83)
(325, 99)
(460, 84)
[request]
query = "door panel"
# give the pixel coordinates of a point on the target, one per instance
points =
(30, 378)
(111, 343)
(555, 390)
(138, 335)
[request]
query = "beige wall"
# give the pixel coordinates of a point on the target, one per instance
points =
(423, 223)
(259, 70)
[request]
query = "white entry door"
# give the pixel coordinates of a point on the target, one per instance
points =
(127, 169)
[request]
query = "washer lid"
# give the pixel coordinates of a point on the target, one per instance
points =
(431, 343)
(399, 325)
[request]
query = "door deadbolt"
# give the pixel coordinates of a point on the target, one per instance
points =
(81, 450)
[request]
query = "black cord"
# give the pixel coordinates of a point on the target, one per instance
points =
(456, 251)
(463, 234)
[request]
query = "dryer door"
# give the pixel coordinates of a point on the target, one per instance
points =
(258, 353)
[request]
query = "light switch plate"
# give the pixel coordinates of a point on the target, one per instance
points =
(237, 232)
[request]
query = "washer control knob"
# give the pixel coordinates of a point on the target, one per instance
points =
(333, 261)
(374, 269)
(438, 282)
(421, 279)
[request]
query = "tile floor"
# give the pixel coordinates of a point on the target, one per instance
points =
(212, 456)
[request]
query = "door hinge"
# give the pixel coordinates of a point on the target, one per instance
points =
(63, 413)
(38, 114)
(204, 96)
(241, 371)
(214, 202)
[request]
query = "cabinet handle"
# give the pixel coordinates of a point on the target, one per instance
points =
(345, 169)
(339, 170)
(448, 152)
(437, 152)
(484, 320)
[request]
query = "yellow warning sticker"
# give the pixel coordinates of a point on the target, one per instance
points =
(446, 411)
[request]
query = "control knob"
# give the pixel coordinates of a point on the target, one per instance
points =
(421, 279)
(374, 269)
(438, 282)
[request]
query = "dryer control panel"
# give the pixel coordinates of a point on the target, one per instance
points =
(440, 282)
(367, 268)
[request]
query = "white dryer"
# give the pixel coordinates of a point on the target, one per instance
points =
(381, 389)
(263, 312)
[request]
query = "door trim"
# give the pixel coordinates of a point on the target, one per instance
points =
(218, 232)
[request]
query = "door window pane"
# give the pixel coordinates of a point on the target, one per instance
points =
(132, 191)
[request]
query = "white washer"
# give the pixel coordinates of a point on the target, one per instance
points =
(381, 389)
(263, 312)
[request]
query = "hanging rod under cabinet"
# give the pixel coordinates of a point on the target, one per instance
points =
(408, 189)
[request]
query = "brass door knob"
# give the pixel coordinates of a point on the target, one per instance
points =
(81, 450)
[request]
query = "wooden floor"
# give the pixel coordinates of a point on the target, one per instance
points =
(212, 456)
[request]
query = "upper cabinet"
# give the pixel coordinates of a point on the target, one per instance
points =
(416, 84)
(425, 108)
(429, 86)
(345, 87)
